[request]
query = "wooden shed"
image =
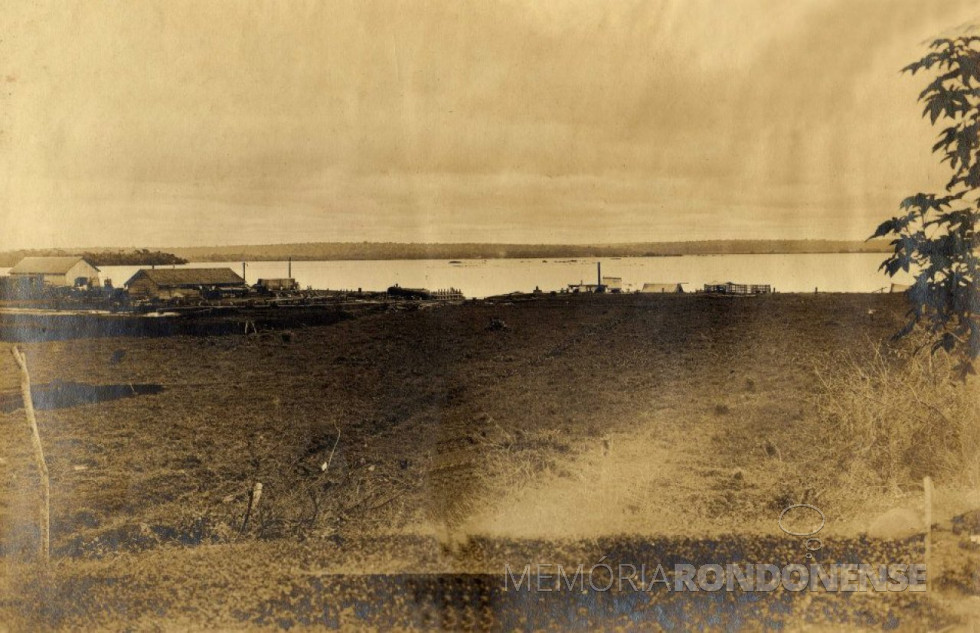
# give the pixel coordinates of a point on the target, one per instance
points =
(171, 283)
(67, 271)
(283, 284)
(731, 288)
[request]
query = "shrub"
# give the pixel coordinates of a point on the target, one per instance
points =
(889, 418)
(935, 237)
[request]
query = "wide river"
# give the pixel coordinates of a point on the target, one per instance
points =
(482, 278)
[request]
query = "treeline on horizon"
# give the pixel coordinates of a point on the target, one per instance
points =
(400, 250)
(98, 257)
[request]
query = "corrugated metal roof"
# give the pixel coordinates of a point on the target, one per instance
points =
(189, 276)
(47, 265)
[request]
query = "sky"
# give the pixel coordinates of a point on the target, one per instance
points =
(191, 123)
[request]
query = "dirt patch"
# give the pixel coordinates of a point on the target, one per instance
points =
(636, 482)
(443, 422)
(60, 395)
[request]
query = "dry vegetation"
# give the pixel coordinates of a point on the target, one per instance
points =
(595, 412)
(888, 420)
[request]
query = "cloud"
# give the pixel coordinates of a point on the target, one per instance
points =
(576, 120)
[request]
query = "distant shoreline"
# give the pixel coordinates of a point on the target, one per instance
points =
(383, 251)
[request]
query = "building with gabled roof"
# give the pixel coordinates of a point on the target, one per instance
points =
(171, 283)
(67, 270)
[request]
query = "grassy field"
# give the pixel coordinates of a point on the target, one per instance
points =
(414, 441)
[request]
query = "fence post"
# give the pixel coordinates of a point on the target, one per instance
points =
(42, 467)
(253, 504)
(927, 490)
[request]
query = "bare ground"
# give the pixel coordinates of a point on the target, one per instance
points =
(584, 418)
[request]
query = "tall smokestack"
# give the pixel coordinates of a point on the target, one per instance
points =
(290, 269)
(598, 272)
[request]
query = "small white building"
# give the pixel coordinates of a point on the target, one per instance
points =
(68, 271)
(613, 284)
(663, 287)
(584, 287)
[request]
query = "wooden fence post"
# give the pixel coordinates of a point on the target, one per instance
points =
(42, 467)
(253, 504)
(927, 490)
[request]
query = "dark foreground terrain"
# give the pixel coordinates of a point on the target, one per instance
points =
(278, 585)
(407, 456)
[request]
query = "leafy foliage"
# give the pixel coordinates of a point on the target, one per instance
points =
(935, 236)
(140, 257)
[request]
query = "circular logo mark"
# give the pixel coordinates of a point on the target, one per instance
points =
(802, 508)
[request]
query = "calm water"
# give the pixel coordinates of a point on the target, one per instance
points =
(481, 278)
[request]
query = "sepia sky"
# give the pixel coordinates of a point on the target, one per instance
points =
(210, 122)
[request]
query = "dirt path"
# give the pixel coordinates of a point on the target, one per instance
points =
(656, 479)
